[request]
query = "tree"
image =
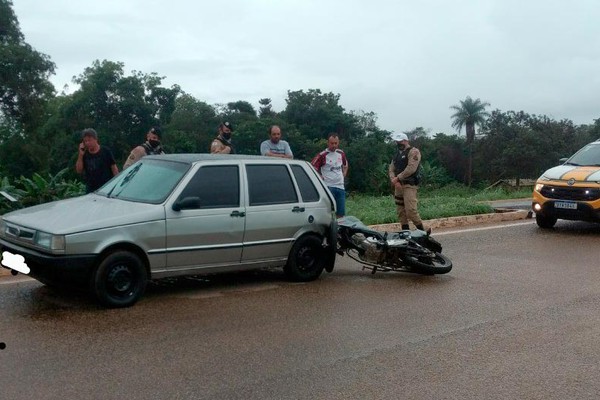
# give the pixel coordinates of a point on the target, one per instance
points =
(369, 158)
(519, 145)
(266, 109)
(317, 114)
(192, 127)
(120, 107)
(24, 73)
(468, 114)
(25, 85)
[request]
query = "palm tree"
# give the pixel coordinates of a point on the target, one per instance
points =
(468, 114)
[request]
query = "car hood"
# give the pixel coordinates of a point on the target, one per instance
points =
(84, 213)
(578, 174)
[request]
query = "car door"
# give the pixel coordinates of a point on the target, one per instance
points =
(208, 230)
(274, 213)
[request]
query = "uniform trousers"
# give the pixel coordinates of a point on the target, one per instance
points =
(405, 198)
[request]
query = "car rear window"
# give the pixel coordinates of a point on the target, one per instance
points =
(307, 190)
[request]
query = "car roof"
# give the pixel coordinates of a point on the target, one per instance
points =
(195, 157)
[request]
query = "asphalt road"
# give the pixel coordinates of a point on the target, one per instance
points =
(517, 318)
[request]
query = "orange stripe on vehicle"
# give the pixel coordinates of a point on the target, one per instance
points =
(579, 174)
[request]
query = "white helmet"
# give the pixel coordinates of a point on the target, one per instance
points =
(398, 137)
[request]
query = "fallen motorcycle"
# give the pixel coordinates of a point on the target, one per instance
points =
(405, 251)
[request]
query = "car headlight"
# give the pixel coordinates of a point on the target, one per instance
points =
(49, 241)
(538, 187)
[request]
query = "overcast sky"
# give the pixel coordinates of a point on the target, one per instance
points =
(407, 61)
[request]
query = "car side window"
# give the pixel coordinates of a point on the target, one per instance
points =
(216, 186)
(270, 184)
(307, 189)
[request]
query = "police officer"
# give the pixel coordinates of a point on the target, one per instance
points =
(404, 172)
(222, 143)
(150, 146)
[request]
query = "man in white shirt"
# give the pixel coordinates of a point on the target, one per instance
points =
(332, 165)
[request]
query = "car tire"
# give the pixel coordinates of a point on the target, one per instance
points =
(545, 222)
(306, 260)
(120, 280)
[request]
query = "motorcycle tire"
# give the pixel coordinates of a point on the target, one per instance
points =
(439, 264)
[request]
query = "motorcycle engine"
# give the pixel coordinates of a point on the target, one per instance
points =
(371, 252)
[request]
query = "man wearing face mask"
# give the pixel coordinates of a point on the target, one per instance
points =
(222, 143)
(150, 146)
(405, 175)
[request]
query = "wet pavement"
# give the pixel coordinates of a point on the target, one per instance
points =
(517, 317)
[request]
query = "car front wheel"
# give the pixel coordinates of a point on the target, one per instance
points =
(119, 280)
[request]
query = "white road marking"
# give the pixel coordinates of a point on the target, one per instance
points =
(484, 228)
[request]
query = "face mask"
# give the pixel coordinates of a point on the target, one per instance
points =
(401, 146)
(154, 143)
(226, 136)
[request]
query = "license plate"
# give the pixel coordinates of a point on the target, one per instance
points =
(567, 205)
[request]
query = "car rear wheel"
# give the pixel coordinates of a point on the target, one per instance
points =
(306, 260)
(119, 280)
(545, 221)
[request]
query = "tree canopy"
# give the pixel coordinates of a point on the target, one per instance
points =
(40, 131)
(24, 73)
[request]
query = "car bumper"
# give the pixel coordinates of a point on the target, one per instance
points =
(583, 212)
(63, 270)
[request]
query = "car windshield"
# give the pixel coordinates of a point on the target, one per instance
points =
(587, 156)
(147, 181)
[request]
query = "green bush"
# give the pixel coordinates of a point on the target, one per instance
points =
(37, 190)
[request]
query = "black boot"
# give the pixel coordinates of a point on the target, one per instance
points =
(405, 227)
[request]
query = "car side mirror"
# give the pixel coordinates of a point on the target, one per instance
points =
(186, 203)
(563, 160)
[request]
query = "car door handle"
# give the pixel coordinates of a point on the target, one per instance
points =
(237, 214)
(298, 209)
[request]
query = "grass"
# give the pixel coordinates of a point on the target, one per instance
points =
(450, 201)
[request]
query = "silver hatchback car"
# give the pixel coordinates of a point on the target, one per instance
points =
(181, 214)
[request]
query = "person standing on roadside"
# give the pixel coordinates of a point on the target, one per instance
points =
(332, 165)
(222, 143)
(404, 172)
(94, 161)
(275, 146)
(149, 147)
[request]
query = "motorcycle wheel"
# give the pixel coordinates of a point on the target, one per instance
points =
(438, 264)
